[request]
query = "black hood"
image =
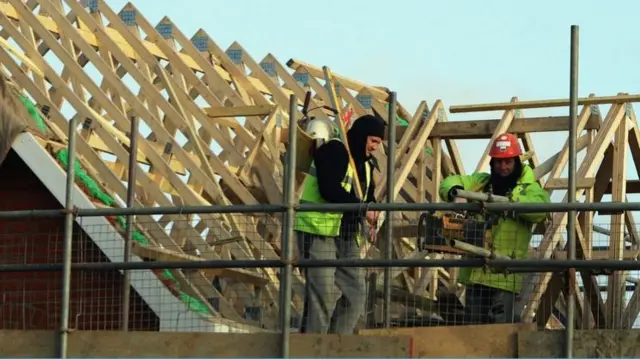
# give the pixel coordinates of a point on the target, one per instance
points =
(501, 186)
(363, 127)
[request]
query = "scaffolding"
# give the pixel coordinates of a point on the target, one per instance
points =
(254, 173)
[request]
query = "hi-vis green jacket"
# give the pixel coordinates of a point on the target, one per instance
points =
(509, 236)
(326, 223)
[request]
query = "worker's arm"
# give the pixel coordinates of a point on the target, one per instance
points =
(532, 193)
(472, 182)
(331, 162)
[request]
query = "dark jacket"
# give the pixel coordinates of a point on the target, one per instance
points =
(332, 161)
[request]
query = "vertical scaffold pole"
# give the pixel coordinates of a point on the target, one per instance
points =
(131, 196)
(68, 241)
(571, 222)
(288, 235)
(391, 154)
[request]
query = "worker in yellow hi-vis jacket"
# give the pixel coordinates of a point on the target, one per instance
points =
(490, 297)
(331, 235)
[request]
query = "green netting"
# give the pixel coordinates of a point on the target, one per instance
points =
(94, 190)
(194, 305)
(34, 113)
(402, 122)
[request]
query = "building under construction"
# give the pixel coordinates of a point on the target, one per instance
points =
(211, 129)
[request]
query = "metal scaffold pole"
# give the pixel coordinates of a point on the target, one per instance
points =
(68, 241)
(288, 234)
(336, 207)
(391, 149)
(598, 266)
(131, 196)
(571, 222)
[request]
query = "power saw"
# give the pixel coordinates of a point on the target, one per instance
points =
(460, 232)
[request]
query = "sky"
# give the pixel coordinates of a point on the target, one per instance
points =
(462, 52)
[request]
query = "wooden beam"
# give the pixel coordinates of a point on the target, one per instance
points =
(480, 129)
(352, 84)
(616, 281)
(239, 111)
(563, 183)
(98, 144)
(633, 186)
(164, 255)
(502, 106)
(418, 147)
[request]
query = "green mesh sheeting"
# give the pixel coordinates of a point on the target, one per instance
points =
(167, 274)
(404, 123)
(34, 113)
(62, 156)
(193, 304)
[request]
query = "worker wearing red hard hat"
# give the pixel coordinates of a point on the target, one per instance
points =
(490, 297)
(506, 167)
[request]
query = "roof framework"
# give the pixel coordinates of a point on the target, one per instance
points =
(213, 131)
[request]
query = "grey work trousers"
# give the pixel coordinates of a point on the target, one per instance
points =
(326, 310)
(485, 305)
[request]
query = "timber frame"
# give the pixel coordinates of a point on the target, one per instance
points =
(216, 122)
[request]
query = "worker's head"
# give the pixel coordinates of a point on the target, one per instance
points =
(366, 133)
(505, 156)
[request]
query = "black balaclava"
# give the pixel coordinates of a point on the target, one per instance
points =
(502, 185)
(363, 127)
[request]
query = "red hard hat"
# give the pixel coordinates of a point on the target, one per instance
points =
(506, 145)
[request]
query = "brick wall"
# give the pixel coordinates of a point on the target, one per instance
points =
(32, 300)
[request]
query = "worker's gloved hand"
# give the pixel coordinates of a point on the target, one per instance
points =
(373, 230)
(511, 213)
(452, 190)
(372, 218)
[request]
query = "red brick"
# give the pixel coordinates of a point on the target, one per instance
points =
(32, 300)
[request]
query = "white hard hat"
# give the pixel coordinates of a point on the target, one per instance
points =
(319, 129)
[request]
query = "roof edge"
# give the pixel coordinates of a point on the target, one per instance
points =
(173, 314)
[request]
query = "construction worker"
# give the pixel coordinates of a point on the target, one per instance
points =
(331, 235)
(490, 297)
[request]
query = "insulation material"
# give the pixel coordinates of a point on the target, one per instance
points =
(11, 121)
